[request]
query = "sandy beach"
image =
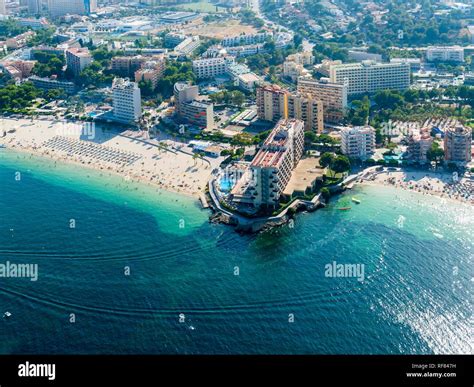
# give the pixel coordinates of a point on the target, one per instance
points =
(439, 184)
(167, 164)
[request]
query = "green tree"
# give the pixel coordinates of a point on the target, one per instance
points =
(435, 154)
(326, 159)
(341, 164)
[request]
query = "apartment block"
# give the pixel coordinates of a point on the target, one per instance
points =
(272, 103)
(52, 83)
(172, 39)
(188, 45)
(332, 95)
(77, 59)
(208, 68)
(358, 142)
(370, 77)
(152, 71)
(308, 110)
(418, 146)
(18, 69)
(305, 58)
(458, 144)
(190, 108)
(127, 65)
(445, 54)
(272, 167)
(19, 41)
(275, 103)
(294, 70)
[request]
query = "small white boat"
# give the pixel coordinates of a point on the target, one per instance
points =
(7, 314)
(356, 201)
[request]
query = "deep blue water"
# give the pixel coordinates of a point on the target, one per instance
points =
(415, 298)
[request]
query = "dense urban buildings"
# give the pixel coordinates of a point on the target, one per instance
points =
(35, 7)
(370, 77)
(126, 101)
(358, 142)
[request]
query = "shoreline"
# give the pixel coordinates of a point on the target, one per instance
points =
(127, 154)
(109, 172)
(435, 184)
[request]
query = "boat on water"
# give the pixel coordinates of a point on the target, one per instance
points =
(344, 208)
(7, 314)
(355, 200)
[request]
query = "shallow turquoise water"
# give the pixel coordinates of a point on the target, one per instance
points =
(417, 252)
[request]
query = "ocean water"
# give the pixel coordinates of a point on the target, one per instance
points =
(415, 298)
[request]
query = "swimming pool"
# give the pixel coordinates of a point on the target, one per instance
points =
(226, 184)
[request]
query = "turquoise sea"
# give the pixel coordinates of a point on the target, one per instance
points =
(416, 297)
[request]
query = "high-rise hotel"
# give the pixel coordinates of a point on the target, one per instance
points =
(272, 167)
(314, 103)
(370, 76)
(332, 95)
(127, 100)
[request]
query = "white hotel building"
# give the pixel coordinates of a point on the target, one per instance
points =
(370, 77)
(445, 54)
(246, 39)
(126, 100)
(208, 68)
(358, 142)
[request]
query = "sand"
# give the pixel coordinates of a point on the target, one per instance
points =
(428, 183)
(170, 169)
